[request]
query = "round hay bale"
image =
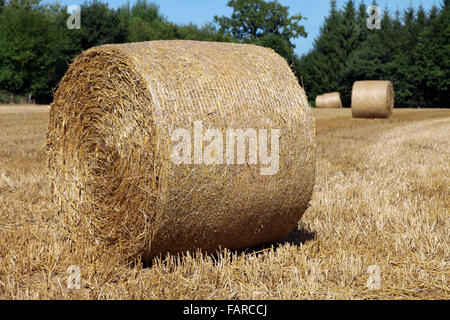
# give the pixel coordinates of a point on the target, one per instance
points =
(372, 99)
(329, 100)
(110, 147)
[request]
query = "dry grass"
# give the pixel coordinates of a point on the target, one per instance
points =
(381, 197)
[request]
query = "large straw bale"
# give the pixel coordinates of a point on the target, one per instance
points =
(109, 147)
(372, 99)
(329, 100)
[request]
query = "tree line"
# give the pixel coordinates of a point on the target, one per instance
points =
(411, 49)
(36, 46)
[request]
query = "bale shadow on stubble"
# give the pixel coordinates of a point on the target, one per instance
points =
(297, 237)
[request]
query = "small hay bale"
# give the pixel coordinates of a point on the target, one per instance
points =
(372, 99)
(329, 100)
(109, 147)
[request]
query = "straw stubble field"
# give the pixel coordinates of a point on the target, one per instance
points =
(382, 197)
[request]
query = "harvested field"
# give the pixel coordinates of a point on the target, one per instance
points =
(382, 197)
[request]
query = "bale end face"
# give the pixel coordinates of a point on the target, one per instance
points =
(372, 99)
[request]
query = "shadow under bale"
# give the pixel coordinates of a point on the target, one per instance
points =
(297, 237)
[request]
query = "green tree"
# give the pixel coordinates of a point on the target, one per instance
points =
(145, 22)
(265, 23)
(99, 25)
(322, 67)
(348, 34)
(433, 60)
(361, 22)
(349, 31)
(433, 13)
(30, 49)
(421, 18)
(207, 32)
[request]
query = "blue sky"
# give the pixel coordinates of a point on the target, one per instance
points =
(202, 11)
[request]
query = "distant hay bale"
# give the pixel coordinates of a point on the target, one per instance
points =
(109, 147)
(329, 100)
(372, 99)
